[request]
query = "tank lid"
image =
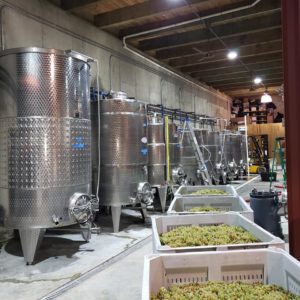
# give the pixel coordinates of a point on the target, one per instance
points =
(68, 53)
(117, 95)
(155, 120)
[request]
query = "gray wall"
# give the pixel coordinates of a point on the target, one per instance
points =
(41, 24)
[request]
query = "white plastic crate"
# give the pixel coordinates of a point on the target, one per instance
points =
(181, 205)
(166, 223)
(268, 266)
(186, 190)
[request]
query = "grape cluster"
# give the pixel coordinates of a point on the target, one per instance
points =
(189, 236)
(209, 192)
(224, 291)
(204, 209)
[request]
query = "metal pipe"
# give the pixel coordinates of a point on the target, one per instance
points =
(87, 40)
(291, 59)
(247, 149)
(181, 76)
(2, 30)
(136, 52)
(167, 147)
(99, 130)
(191, 21)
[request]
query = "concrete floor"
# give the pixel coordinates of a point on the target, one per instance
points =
(110, 266)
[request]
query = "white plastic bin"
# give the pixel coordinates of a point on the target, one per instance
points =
(268, 266)
(166, 223)
(186, 190)
(181, 205)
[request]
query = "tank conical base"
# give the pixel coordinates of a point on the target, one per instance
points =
(86, 231)
(30, 241)
(116, 215)
(162, 192)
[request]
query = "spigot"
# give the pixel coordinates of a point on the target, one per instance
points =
(55, 219)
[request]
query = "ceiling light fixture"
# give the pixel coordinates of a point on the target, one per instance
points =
(257, 80)
(266, 98)
(232, 54)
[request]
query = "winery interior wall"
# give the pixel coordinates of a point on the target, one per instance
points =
(41, 24)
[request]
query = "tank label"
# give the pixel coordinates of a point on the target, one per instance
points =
(144, 151)
(79, 143)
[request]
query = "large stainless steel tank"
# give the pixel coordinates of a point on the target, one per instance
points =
(158, 153)
(45, 142)
(176, 171)
(231, 153)
(209, 142)
(244, 158)
(188, 160)
(124, 154)
(157, 173)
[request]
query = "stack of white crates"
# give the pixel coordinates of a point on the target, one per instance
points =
(264, 261)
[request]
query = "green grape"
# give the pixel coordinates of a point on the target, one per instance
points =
(224, 291)
(204, 209)
(190, 236)
(209, 192)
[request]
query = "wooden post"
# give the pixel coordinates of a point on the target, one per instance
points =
(291, 51)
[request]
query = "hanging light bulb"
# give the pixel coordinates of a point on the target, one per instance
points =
(266, 98)
(232, 55)
(257, 80)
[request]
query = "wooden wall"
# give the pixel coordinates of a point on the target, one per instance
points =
(273, 130)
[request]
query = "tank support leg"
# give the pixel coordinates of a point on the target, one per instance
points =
(30, 241)
(116, 215)
(144, 211)
(162, 192)
(86, 231)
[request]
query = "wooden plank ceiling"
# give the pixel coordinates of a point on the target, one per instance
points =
(198, 49)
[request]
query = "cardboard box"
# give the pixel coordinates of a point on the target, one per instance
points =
(241, 120)
(270, 119)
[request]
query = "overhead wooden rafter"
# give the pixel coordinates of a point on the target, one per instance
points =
(198, 49)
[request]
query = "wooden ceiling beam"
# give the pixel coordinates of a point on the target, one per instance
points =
(215, 45)
(272, 89)
(135, 12)
(248, 87)
(270, 64)
(227, 64)
(229, 79)
(243, 73)
(246, 84)
(71, 4)
(227, 30)
(249, 80)
(266, 6)
(245, 51)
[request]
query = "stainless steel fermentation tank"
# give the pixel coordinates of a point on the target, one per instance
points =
(188, 160)
(233, 147)
(123, 154)
(244, 159)
(209, 143)
(45, 142)
(158, 153)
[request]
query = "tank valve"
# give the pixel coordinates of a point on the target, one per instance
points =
(81, 207)
(55, 219)
(144, 193)
(178, 175)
